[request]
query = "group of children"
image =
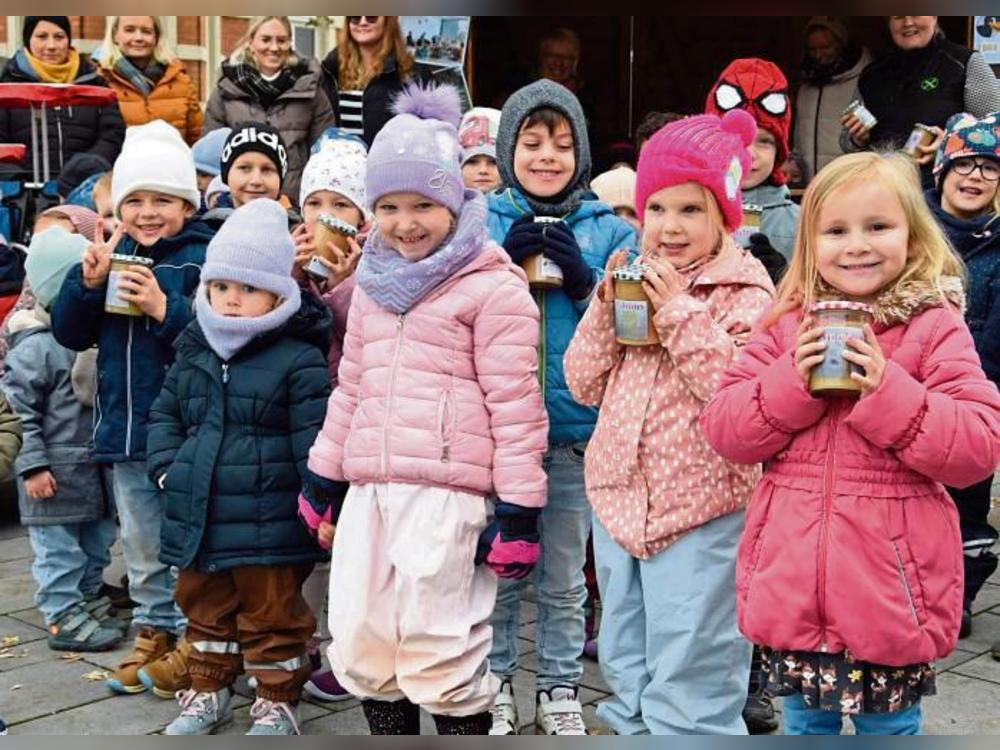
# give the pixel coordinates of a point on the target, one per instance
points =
(448, 432)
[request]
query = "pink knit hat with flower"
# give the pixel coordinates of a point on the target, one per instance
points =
(705, 149)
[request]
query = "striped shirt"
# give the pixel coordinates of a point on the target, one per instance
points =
(351, 120)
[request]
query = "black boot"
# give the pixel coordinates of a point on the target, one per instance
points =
(758, 711)
(475, 724)
(391, 717)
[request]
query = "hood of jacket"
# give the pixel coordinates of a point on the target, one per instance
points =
(902, 302)
(768, 196)
(511, 202)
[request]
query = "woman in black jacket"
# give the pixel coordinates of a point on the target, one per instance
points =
(81, 140)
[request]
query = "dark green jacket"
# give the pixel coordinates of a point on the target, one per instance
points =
(233, 439)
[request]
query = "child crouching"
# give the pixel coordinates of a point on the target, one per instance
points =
(228, 440)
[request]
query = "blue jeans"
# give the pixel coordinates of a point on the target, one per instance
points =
(558, 578)
(150, 582)
(670, 648)
(802, 720)
(69, 563)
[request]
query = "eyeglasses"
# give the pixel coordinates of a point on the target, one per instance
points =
(988, 168)
(362, 19)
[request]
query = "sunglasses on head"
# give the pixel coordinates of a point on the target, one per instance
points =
(363, 19)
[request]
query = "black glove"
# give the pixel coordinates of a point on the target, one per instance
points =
(321, 499)
(773, 261)
(559, 245)
(524, 238)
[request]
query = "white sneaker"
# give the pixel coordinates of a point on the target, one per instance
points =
(202, 713)
(504, 711)
(559, 712)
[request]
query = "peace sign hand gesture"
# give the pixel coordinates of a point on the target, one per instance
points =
(97, 257)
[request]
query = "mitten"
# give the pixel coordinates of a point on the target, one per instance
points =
(321, 500)
(559, 244)
(773, 261)
(524, 238)
(510, 544)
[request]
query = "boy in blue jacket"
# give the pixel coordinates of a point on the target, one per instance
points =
(155, 192)
(544, 159)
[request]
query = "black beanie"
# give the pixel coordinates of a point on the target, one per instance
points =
(254, 136)
(30, 22)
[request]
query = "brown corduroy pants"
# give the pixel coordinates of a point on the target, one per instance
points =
(252, 618)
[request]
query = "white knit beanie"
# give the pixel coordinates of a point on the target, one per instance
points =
(154, 157)
(616, 187)
(338, 165)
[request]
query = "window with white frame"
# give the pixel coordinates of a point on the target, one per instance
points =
(304, 39)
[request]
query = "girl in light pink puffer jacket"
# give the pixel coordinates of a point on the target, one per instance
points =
(437, 409)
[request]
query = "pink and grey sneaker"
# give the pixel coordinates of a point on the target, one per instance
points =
(323, 686)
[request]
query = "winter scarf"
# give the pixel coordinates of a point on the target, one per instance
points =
(248, 78)
(227, 335)
(964, 234)
(397, 284)
(515, 111)
(143, 80)
(47, 73)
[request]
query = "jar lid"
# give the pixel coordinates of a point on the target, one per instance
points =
(337, 225)
(631, 272)
(132, 260)
(842, 305)
(546, 219)
(752, 208)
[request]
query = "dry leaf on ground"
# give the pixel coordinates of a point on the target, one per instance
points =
(96, 676)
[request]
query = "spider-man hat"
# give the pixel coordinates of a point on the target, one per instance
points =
(759, 87)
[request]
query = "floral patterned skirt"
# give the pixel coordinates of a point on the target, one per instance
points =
(836, 682)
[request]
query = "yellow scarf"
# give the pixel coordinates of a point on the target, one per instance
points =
(65, 73)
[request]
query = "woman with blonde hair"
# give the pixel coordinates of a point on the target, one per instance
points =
(136, 61)
(365, 73)
(265, 81)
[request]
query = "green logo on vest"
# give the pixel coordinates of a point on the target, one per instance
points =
(929, 84)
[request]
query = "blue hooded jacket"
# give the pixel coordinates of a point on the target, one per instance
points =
(599, 233)
(978, 242)
(134, 354)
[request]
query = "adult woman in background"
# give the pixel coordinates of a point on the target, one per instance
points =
(151, 83)
(265, 81)
(365, 73)
(81, 140)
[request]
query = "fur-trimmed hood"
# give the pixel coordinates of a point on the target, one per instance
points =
(902, 302)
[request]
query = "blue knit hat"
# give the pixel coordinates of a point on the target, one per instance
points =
(51, 254)
(207, 151)
(417, 151)
(966, 136)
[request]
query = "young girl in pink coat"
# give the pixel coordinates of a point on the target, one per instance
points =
(669, 510)
(850, 566)
(437, 408)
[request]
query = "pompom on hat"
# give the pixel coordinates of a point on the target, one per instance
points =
(704, 149)
(759, 87)
(417, 151)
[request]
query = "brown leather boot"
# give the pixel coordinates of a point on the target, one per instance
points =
(168, 674)
(149, 646)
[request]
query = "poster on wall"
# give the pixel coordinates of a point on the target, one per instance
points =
(986, 37)
(440, 42)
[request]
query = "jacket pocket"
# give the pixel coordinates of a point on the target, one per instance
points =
(908, 581)
(752, 544)
(446, 424)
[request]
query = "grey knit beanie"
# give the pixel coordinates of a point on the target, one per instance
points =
(520, 104)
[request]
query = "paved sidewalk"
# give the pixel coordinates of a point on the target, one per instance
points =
(42, 693)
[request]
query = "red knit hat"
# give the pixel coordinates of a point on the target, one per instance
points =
(703, 149)
(759, 87)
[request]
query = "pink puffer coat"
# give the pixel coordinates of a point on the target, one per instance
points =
(851, 541)
(446, 395)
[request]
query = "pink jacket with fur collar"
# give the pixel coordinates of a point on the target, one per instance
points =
(446, 395)
(851, 541)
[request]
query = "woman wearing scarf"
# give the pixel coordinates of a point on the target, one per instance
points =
(265, 81)
(82, 140)
(137, 62)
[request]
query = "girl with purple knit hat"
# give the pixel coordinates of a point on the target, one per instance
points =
(437, 412)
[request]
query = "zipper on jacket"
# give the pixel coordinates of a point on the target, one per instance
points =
(540, 301)
(830, 467)
(443, 419)
(906, 584)
(225, 373)
(62, 158)
(392, 393)
(128, 391)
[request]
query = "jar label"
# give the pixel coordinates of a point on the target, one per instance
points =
(549, 268)
(742, 235)
(834, 365)
(317, 269)
(631, 319)
(112, 298)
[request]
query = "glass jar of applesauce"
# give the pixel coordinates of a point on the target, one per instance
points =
(329, 229)
(542, 272)
(633, 310)
(750, 225)
(840, 320)
(113, 303)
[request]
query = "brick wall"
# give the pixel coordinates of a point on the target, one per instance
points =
(232, 30)
(92, 27)
(196, 69)
(189, 30)
(3, 32)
